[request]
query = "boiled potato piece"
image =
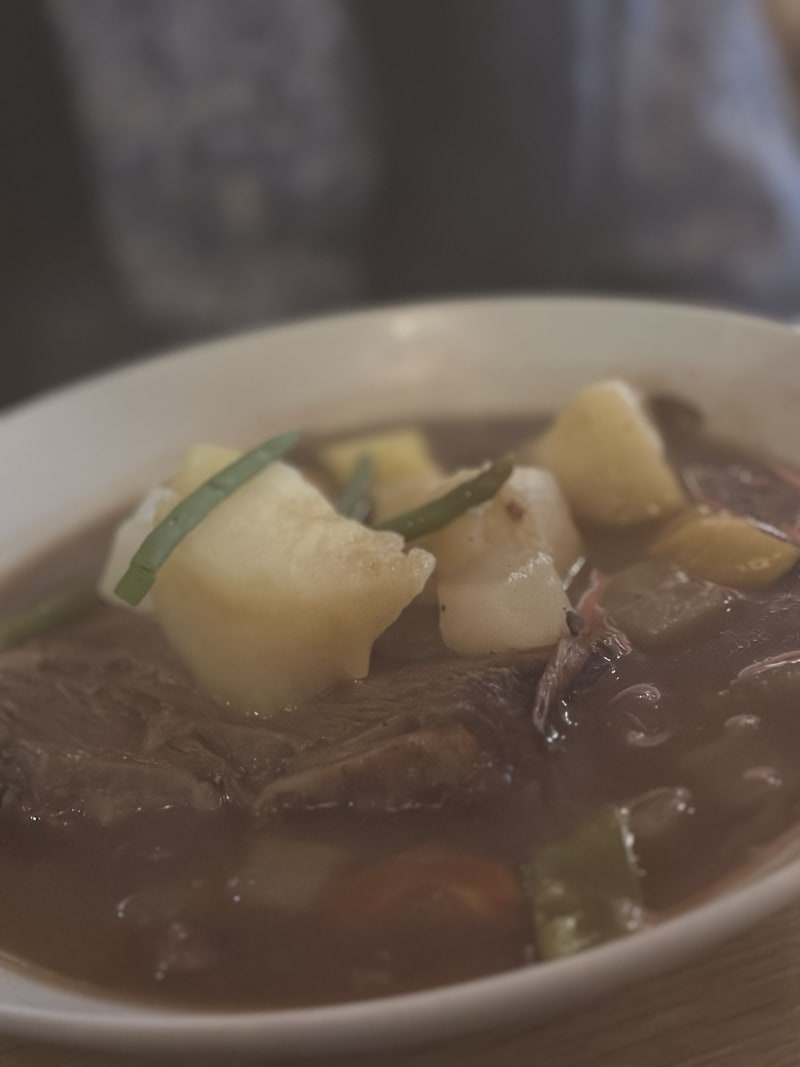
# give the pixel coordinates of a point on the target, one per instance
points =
(397, 456)
(499, 606)
(609, 458)
(274, 596)
(527, 515)
(724, 548)
(533, 504)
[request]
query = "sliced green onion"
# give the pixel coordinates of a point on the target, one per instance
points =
(50, 611)
(135, 583)
(585, 888)
(352, 501)
(424, 520)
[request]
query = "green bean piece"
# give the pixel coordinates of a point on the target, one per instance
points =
(585, 888)
(135, 583)
(424, 520)
(352, 501)
(63, 606)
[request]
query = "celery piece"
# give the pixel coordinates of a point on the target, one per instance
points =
(61, 607)
(421, 521)
(584, 888)
(135, 583)
(352, 501)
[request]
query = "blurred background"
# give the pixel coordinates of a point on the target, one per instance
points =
(176, 169)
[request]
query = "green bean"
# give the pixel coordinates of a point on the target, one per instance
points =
(135, 583)
(352, 501)
(50, 611)
(424, 520)
(584, 888)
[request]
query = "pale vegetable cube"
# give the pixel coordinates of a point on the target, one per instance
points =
(532, 504)
(397, 456)
(609, 459)
(499, 607)
(127, 538)
(527, 515)
(725, 548)
(285, 875)
(273, 596)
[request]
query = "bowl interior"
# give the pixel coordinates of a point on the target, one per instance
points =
(82, 451)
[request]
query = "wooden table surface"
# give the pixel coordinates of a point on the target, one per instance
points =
(740, 1008)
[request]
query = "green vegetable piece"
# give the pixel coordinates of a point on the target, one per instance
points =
(50, 611)
(424, 520)
(135, 583)
(352, 501)
(584, 888)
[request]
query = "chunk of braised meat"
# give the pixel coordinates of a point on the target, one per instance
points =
(739, 770)
(592, 646)
(773, 680)
(89, 730)
(415, 768)
(427, 734)
(656, 604)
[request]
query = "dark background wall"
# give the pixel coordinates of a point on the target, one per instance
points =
(61, 309)
(65, 309)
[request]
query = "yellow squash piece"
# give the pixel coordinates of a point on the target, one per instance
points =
(397, 456)
(609, 459)
(274, 596)
(724, 548)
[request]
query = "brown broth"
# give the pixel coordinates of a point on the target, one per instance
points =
(166, 906)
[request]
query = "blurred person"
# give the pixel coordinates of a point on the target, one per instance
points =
(243, 161)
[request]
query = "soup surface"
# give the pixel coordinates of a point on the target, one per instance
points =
(379, 837)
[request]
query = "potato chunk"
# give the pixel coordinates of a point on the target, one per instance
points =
(527, 515)
(724, 548)
(274, 596)
(501, 605)
(609, 458)
(397, 456)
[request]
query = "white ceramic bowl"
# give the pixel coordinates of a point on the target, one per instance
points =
(81, 450)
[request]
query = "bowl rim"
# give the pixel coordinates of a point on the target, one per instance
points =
(345, 318)
(480, 1005)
